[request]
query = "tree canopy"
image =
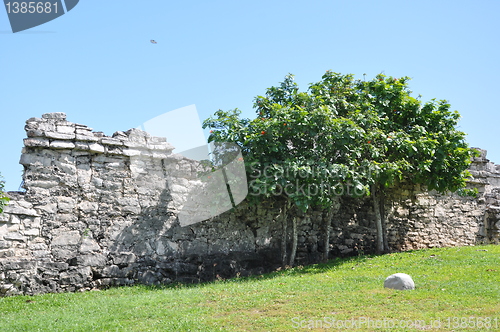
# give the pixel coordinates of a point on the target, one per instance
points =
(345, 137)
(3, 198)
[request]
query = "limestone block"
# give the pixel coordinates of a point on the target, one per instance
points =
(137, 169)
(146, 153)
(111, 185)
(37, 245)
(32, 232)
(66, 168)
(14, 219)
(86, 137)
(81, 146)
(119, 135)
(174, 246)
(179, 189)
(160, 248)
(124, 258)
(76, 276)
(159, 155)
(89, 245)
(67, 238)
(194, 247)
(42, 184)
(160, 146)
(65, 204)
(50, 208)
(45, 126)
(133, 208)
(28, 159)
(156, 139)
(62, 253)
(84, 176)
(88, 207)
(36, 142)
(113, 271)
(133, 145)
(116, 164)
(56, 135)
(137, 135)
(14, 236)
(399, 281)
(56, 116)
(111, 141)
(82, 126)
(62, 145)
(95, 147)
(67, 129)
(439, 211)
(89, 260)
(97, 182)
(14, 209)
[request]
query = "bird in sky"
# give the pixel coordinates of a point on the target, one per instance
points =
(153, 41)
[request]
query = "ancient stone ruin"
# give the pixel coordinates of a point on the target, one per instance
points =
(100, 211)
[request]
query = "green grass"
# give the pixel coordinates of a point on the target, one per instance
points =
(451, 282)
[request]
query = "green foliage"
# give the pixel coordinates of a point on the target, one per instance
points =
(3, 198)
(410, 140)
(297, 147)
(345, 134)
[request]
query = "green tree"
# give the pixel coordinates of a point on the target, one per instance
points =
(297, 150)
(3, 198)
(407, 141)
(344, 137)
(410, 141)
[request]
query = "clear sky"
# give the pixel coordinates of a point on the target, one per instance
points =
(96, 63)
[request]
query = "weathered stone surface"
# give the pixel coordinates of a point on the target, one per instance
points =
(101, 211)
(95, 147)
(124, 258)
(399, 281)
(36, 142)
(55, 115)
(67, 238)
(62, 145)
(56, 135)
(18, 210)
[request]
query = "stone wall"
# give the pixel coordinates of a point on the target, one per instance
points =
(101, 211)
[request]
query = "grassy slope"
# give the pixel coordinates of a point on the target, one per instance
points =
(451, 282)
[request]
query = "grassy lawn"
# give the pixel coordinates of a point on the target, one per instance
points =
(458, 288)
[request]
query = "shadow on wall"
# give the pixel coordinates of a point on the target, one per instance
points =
(154, 248)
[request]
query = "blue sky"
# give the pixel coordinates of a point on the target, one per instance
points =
(97, 64)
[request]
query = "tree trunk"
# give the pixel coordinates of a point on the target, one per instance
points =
(284, 235)
(384, 219)
(294, 241)
(378, 220)
(328, 227)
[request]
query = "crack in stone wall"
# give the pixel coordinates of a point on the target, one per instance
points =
(101, 211)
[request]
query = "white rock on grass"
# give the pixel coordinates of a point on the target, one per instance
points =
(399, 281)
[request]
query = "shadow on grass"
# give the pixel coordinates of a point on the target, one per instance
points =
(426, 254)
(287, 271)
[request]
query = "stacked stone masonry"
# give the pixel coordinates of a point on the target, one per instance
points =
(101, 211)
